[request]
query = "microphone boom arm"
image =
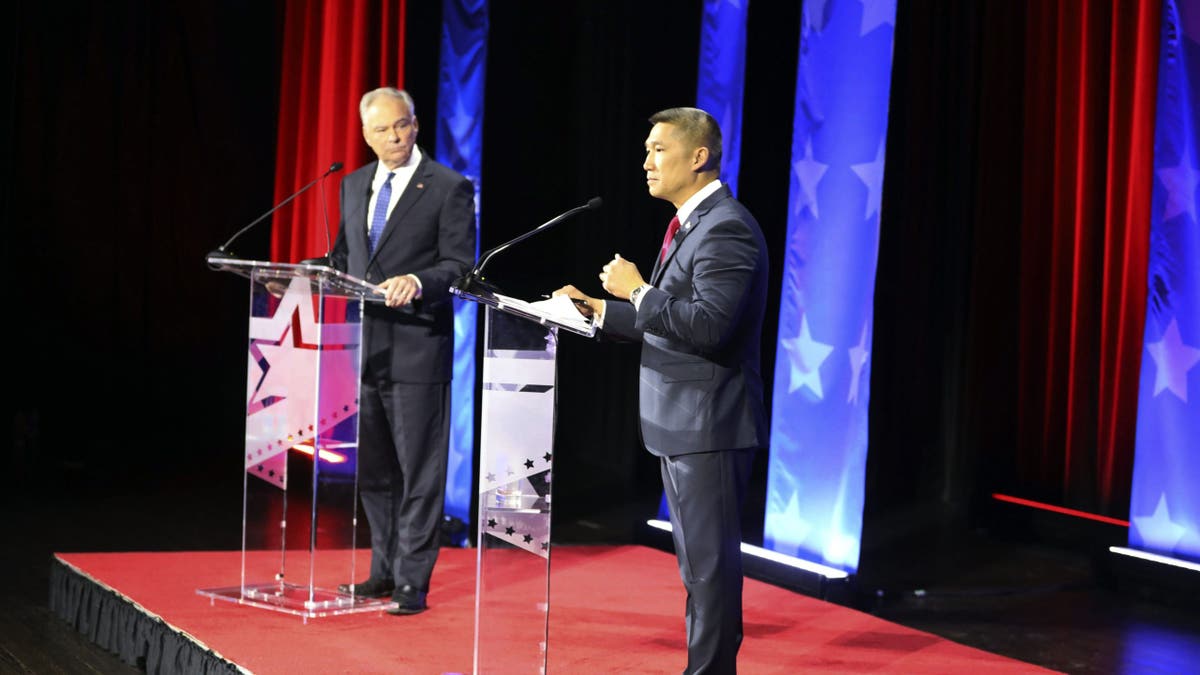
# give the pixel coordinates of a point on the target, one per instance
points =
(223, 249)
(477, 270)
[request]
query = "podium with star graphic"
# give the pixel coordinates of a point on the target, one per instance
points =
(512, 592)
(300, 500)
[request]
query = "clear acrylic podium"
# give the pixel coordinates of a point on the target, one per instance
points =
(300, 483)
(512, 584)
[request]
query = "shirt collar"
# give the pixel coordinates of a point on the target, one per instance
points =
(381, 170)
(690, 205)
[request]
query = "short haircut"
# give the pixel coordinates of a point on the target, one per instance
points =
(390, 92)
(698, 128)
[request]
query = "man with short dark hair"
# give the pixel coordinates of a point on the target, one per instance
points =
(699, 319)
(408, 225)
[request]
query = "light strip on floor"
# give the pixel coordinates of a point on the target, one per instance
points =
(1060, 509)
(1154, 557)
(773, 556)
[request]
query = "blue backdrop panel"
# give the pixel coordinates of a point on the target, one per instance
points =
(719, 86)
(1164, 509)
(822, 370)
(722, 77)
(460, 146)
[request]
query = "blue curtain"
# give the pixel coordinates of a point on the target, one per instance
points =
(460, 146)
(1164, 509)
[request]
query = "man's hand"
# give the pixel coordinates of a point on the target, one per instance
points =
(620, 277)
(587, 305)
(401, 290)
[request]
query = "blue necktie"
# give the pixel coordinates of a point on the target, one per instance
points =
(379, 218)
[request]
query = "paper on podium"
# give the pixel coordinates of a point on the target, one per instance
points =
(559, 309)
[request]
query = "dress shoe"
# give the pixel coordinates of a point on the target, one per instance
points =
(408, 601)
(371, 588)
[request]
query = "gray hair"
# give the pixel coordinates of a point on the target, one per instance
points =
(698, 128)
(390, 92)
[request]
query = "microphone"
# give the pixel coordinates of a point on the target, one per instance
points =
(222, 252)
(475, 276)
(325, 260)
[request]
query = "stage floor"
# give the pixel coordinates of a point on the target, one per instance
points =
(614, 609)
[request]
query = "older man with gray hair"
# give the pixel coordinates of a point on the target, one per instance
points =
(408, 225)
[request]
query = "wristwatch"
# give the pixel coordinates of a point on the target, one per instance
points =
(636, 293)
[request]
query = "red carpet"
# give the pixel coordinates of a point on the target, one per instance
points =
(613, 610)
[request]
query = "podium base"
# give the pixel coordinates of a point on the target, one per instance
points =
(296, 599)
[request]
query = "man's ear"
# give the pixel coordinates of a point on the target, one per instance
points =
(700, 158)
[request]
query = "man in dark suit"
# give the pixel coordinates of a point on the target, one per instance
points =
(408, 225)
(699, 319)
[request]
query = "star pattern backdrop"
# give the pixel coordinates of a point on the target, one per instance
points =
(460, 146)
(1165, 505)
(817, 465)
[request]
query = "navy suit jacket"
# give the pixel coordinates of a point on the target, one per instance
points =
(700, 327)
(431, 233)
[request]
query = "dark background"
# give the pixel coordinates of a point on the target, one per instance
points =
(141, 135)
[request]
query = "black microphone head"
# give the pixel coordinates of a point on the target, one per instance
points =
(595, 203)
(335, 167)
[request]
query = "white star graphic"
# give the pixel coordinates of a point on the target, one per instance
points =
(461, 123)
(815, 11)
(787, 528)
(1180, 182)
(808, 173)
(876, 13)
(1172, 360)
(858, 358)
(871, 175)
(806, 357)
(282, 394)
(1157, 528)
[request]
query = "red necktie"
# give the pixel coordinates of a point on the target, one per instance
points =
(671, 230)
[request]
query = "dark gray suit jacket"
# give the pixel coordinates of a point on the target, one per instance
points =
(431, 233)
(700, 326)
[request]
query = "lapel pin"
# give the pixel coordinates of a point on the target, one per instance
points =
(420, 186)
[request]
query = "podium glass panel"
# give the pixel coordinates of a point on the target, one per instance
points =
(300, 500)
(512, 594)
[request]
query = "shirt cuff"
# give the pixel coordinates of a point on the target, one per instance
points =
(638, 294)
(417, 279)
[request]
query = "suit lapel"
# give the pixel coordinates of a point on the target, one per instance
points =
(411, 195)
(692, 224)
(356, 211)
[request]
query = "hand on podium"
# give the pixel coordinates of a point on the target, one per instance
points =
(588, 306)
(400, 290)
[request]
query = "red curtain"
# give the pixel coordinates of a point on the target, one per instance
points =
(1090, 78)
(333, 52)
